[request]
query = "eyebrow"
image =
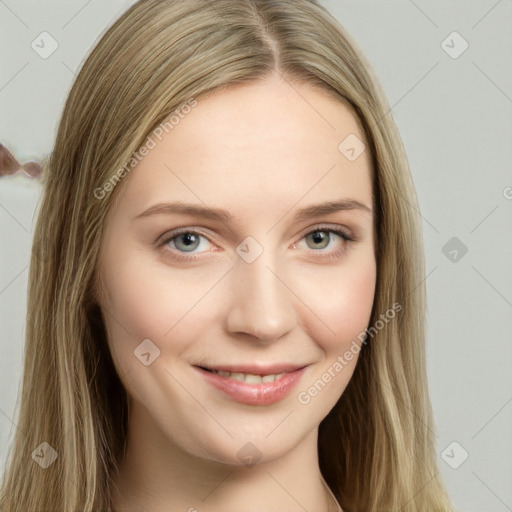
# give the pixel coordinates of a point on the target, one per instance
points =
(218, 214)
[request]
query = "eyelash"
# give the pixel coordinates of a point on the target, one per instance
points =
(166, 238)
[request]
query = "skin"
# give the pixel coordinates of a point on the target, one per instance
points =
(261, 151)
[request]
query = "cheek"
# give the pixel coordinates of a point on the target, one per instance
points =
(342, 298)
(131, 304)
(343, 304)
(143, 300)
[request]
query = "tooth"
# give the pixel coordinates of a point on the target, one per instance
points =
(253, 379)
(249, 377)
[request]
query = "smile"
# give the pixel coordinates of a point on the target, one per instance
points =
(251, 388)
(249, 377)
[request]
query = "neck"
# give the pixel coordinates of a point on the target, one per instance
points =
(157, 475)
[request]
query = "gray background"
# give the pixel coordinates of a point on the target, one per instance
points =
(455, 118)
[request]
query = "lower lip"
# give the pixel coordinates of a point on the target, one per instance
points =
(266, 393)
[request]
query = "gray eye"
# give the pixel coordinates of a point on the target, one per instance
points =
(318, 237)
(190, 241)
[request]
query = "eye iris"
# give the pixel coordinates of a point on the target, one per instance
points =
(319, 237)
(189, 240)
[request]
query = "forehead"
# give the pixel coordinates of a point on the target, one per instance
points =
(259, 144)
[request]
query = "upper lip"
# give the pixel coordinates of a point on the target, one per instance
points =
(256, 369)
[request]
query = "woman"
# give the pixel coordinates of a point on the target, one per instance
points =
(229, 314)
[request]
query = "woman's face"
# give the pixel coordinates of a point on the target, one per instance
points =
(260, 285)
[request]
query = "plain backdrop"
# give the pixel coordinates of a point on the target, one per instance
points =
(446, 71)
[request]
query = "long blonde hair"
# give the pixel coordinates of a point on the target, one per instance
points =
(376, 446)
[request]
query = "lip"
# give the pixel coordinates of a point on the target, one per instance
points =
(266, 393)
(258, 368)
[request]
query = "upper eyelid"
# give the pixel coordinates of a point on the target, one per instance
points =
(169, 235)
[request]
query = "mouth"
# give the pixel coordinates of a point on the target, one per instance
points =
(254, 385)
(250, 378)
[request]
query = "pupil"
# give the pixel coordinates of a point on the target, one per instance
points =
(189, 238)
(318, 237)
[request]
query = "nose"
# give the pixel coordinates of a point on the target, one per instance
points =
(261, 303)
